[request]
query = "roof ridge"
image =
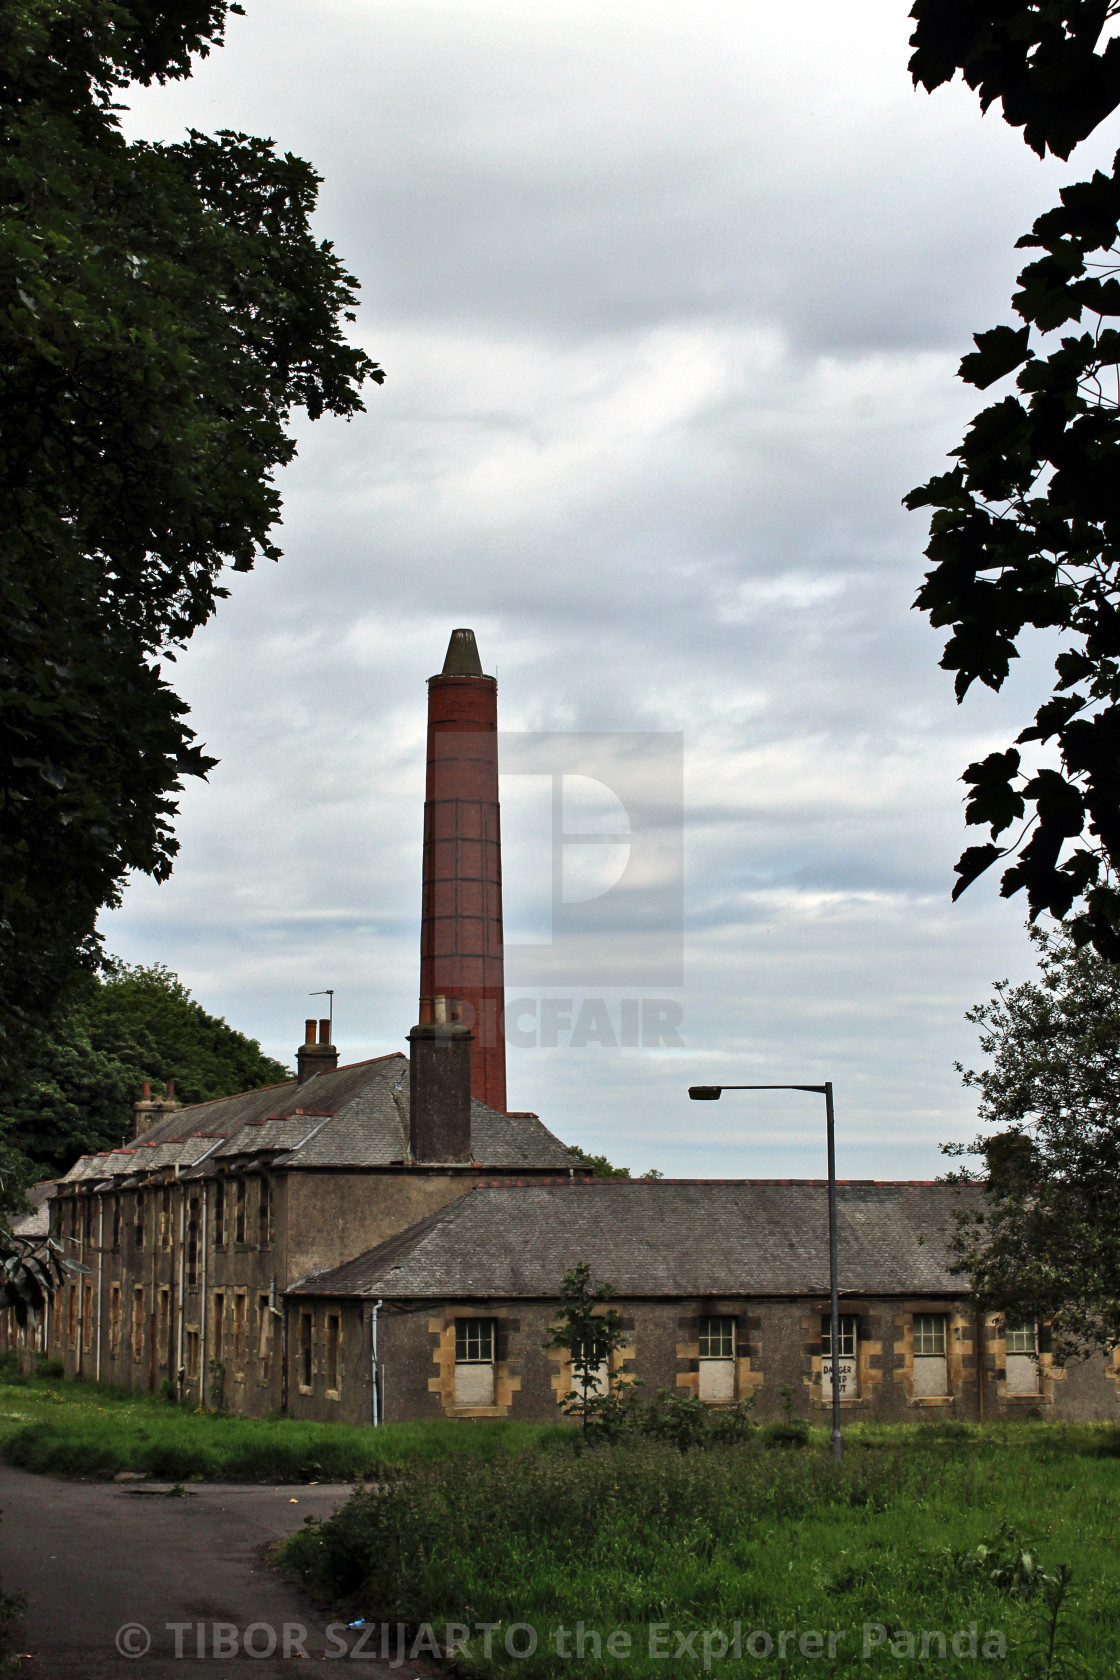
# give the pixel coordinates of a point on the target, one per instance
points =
(281, 1084)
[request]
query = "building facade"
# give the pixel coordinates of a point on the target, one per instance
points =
(387, 1241)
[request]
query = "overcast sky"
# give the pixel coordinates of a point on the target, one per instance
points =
(670, 301)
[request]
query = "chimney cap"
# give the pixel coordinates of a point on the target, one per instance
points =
(462, 656)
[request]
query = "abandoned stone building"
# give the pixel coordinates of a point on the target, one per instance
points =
(386, 1241)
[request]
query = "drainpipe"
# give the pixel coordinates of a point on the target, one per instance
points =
(100, 1263)
(78, 1363)
(284, 1360)
(373, 1360)
(182, 1284)
(204, 1307)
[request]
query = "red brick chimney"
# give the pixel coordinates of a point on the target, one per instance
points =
(462, 977)
(312, 1057)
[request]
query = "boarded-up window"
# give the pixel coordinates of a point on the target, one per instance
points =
(239, 1332)
(1021, 1344)
(72, 1316)
(239, 1212)
(139, 1218)
(305, 1350)
(717, 1360)
(474, 1361)
(931, 1369)
(192, 1243)
(219, 1213)
(115, 1320)
(264, 1345)
(333, 1336)
(165, 1327)
(165, 1218)
(116, 1222)
(87, 1315)
(592, 1360)
(138, 1323)
(847, 1364)
(192, 1350)
(264, 1213)
(219, 1328)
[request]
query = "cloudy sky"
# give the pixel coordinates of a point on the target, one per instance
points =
(670, 301)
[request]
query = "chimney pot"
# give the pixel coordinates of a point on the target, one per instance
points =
(325, 1031)
(309, 1032)
(146, 1094)
(169, 1094)
(441, 1011)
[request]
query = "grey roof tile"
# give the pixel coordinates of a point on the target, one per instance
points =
(355, 1117)
(668, 1238)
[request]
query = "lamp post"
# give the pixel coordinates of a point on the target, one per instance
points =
(712, 1093)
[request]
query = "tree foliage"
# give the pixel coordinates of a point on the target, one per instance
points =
(1045, 1244)
(163, 308)
(76, 1094)
(1025, 532)
(590, 1332)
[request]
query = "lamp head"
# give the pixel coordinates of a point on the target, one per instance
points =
(705, 1093)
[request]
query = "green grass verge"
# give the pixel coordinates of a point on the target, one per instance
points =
(77, 1429)
(637, 1535)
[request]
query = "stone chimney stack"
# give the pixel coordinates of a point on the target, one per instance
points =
(440, 1090)
(150, 1109)
(315, 1057)
(461, 942)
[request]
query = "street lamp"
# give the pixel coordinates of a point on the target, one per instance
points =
(712, 1093)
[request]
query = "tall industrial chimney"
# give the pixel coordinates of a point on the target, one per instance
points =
(462, 976)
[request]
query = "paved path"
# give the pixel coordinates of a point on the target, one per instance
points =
(96, 1557)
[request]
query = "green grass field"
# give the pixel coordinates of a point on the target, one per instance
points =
(77, 1429)
(726, 1550)
(506, 1523)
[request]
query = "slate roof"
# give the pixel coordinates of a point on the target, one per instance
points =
(37, 1223)
(356, 1116)
(664, 1238)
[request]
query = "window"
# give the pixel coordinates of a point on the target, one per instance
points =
(717, 1360)
(165, 1219)
(239, 1212)
(474, 1361)
(116, 1222)
(57, 1310)
(1021, 1348)
(219, 1213)
(264, 1213)
(192, 1339)
(72, 1316)
(138, 1323)
(264, 1344)
(239, 1331)
(115, 1320)
(305, 1350)
(219, 1327)
(192, 1243)
(87, 1220)
(931, 1371)
(599, 1368)
(165, 1327)
(139, 1218)
(332, 1353)
(847, 1365)
(87, 1316)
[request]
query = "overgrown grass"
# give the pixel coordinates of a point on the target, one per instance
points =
(77, 1429)
(625, 1537)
